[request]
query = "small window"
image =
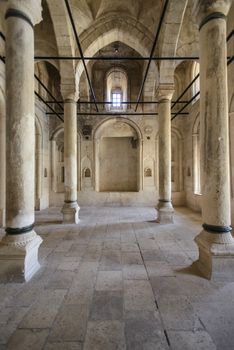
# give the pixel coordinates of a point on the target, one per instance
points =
(87, 172)
(116, 99)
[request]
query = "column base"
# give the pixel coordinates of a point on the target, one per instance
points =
(165, 212)
(71, 213)
(19, 257)
(216, 255)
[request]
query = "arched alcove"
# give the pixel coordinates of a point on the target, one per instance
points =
(177, 184)
(57, 160)
(117, 156)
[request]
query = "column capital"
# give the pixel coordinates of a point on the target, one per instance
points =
(69, 93)
(205, 10)
(165, 92)
(30, 9)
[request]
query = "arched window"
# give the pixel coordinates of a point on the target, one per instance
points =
(116, 97)
(116, 89)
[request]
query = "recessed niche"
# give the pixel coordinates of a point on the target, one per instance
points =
(148, 172)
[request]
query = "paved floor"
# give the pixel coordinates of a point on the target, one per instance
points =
(117, 281)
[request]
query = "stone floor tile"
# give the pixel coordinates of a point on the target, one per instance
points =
(138, 295)
(134, 272)
(153, 255)
(159, 269)
(143, 330)
(64, 346)
(43, 312)
(217, 318)
(61, 280)
(6, 330)
(129, 247)
(178, 314)
(109, 281)
(27, 339)
(105, 335)
(70, 323)
(107, 306)
(187, 340)
(110, 260)
(131, 258)
(68, 266)
(167, 286)
(12, 314)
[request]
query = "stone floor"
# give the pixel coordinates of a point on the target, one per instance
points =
(117, 281)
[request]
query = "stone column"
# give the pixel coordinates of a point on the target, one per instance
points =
(164, 207)
(19, 247)
(70, 209)
(215, 242)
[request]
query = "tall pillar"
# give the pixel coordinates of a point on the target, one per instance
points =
(19, 247)
(215, 242)
(164, 207)
(70, 209)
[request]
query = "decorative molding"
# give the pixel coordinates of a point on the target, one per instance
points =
(18, 14)
(30, 9)
(217, 229)
(210, 17)
(19, 230)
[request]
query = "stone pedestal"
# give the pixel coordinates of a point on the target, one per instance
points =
(164, 207)
(216, 255)
(70, 209)
(70, 213)
(19, 248)
(165, 212)
(215, 242)
(19, 257)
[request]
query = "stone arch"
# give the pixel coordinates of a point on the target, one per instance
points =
(99, 127)
(169, 38)
(63, 33)
(128, 130)
(113, 31)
